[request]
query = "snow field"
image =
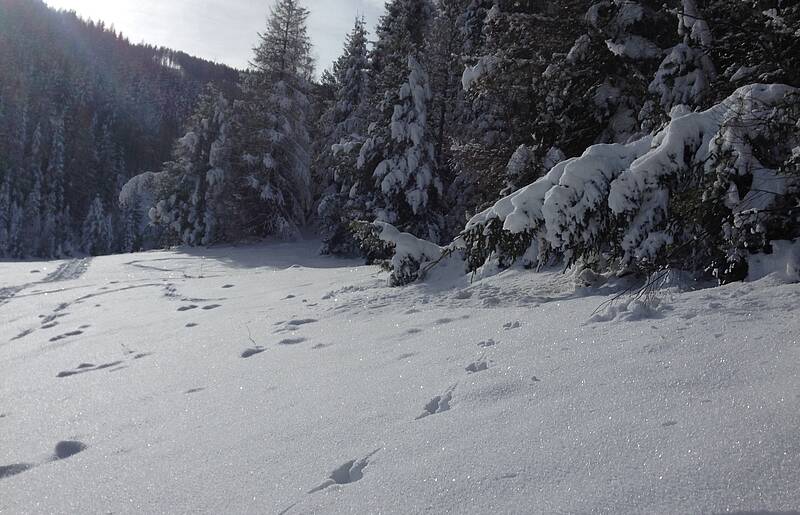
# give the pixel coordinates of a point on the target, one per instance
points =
(265, 379)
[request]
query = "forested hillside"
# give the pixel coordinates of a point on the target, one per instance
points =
(81, 111)
(628, 136)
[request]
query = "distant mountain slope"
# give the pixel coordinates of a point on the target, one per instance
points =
(81, 110)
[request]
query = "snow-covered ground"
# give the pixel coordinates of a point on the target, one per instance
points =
(266, 379)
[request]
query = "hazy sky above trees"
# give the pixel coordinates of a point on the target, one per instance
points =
(222, 30)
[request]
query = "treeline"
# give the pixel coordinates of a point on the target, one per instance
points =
(621, 134)
(82, 110)
(459, 102)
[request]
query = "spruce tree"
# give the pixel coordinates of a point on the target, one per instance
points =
(96, 238)
(199, 175)
(399, 149)
(347, 188)
(272, 129)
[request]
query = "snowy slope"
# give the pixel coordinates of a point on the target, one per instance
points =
(124, 389)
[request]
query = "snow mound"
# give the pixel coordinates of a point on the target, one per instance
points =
(783, 264)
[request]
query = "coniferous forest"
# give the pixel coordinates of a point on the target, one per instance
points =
(626, 136)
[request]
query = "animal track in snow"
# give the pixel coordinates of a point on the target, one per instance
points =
(291, 341)
(438, 404)
(301, 321)
(477, 366)
(321, 346)
(211, 306)
(13, 470)
(346, 473)
(443, 321)
(414, 331)
(512, 325)
(63, 450)
(84, 368)
(68, 448)
(294, 324)
(188, 308)
(191, 324)
(194, 390)
(487, 343)
(228, 286)
(22, 335)
(65, 336)
(252, 352)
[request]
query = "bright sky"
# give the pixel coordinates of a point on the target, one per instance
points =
(222, 30)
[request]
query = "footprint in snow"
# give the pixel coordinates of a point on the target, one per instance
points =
(194, 390)
(347, 473)
(211, 306)
(292, 325)
(252, 352)
(487, 343)
(477, 366)
(67, 449)
(22, 335)
(301, 321)
(438, 404)
(228, 286)
(291, 341)
(63, 450)
(65, 336)
(191, 324)
(512, 325)
(84, 368)
(188, 308)
(443, 321)
(13, 470)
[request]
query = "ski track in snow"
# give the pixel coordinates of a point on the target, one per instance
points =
(311, 362)
(68, 271)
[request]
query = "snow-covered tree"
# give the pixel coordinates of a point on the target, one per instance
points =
(55, 225)
(347, 188)
(687, 71)
(96, 238)
(199, 175)
(272, 128)
(504, 93)
(399, 151)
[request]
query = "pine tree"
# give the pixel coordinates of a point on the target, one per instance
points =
(96, 237)
(347, 188)
(687, 71)
(32, 212)
(399, 150)
(198, 175)
(54, 222)
(273, 146)
(5, 217)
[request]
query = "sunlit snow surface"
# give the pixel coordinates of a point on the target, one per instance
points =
(266, 379)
